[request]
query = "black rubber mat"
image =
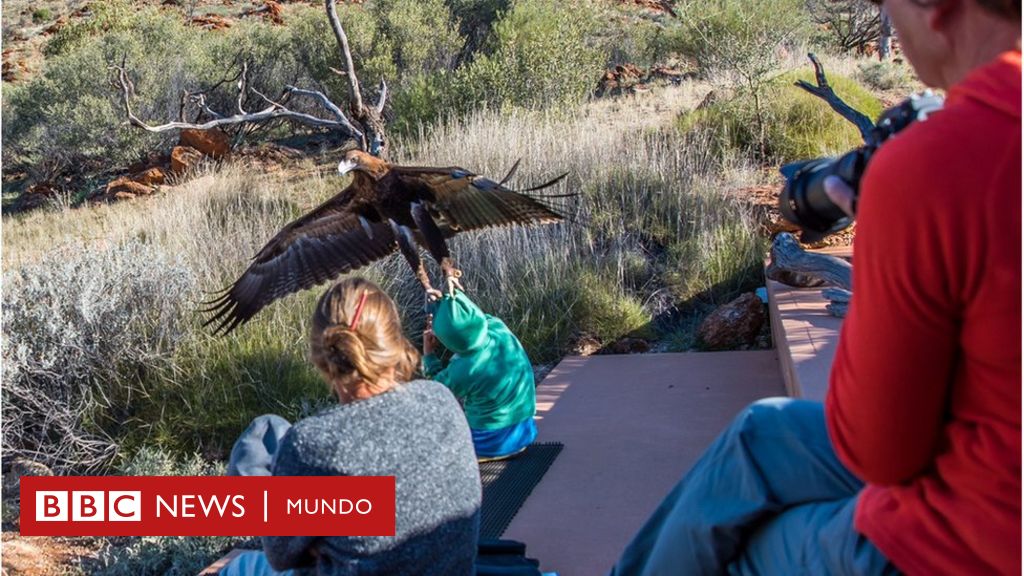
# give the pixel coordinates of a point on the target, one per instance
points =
(507, 484)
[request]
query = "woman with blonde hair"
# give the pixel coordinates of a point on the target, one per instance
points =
(384, 425)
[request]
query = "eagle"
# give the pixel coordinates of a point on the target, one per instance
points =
(385, 207)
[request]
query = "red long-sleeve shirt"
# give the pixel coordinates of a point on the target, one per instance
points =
(924, 402)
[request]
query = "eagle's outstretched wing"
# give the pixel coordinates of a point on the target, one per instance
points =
(329, 241)
(461, 201)
(357, 227)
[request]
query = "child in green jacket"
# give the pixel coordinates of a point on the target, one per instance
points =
(489, 373)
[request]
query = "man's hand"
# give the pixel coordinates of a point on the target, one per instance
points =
(429, 340)
(840, 194)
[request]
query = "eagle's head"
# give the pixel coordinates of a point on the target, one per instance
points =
(359, 161)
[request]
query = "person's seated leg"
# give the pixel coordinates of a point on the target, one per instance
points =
(775, 454)
(253, 452)
(253, 563)
(816, 538)
(504, 442)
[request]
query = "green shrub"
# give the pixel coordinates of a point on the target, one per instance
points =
(400, 41)
(83, 330)
(161, 555)
(637, 37)
(152, 461)
(887, 76)
(797, 124)
(71, 116)
(422, 33)
(539, 55)
(420, 102)
(845, 25)
(740, 38)
(372, 52)
(741, 43)
(103, 17)
(40, 15)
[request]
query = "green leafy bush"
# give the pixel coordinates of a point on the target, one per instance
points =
(741, 43)
(422, 33)
(400, 41)
(796, 125)
(372, 51)
(162, 555)
(71, 116)
(539, 55)
(629, 36)
(887, 76)
(103, 17)
(40, 15)
(740, 38)
(421, 101)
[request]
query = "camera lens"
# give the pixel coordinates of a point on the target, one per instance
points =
(804, 202)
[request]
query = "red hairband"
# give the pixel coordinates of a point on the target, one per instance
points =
(359, 311)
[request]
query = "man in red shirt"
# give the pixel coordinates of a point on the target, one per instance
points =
(914, 463)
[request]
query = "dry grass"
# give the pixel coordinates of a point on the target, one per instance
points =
(651, 232)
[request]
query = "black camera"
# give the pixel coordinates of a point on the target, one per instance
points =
(804, 202)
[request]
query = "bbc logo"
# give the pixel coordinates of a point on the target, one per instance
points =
(89, 506)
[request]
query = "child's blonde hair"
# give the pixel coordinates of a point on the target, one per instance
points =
(349, 346)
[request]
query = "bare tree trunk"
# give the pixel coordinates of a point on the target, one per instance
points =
(885, 37)
(364, 123)
(369, 120)
(824, 91)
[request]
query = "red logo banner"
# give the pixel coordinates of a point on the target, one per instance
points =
(207, 505)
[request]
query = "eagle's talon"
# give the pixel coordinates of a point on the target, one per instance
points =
(453, 283)
(433, 294)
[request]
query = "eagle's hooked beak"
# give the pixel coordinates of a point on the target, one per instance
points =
(346, 166)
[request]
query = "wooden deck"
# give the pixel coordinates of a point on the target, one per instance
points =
(632, 426)
(805, 335)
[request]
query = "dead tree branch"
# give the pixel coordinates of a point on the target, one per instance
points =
(355, 96)
(363, 123)
(369, 119)
(789, 261)
(272, 112)
(824, 91)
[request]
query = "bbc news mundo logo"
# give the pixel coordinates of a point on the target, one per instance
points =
(89, 506)
(207, 506)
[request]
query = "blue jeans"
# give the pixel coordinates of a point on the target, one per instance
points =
(253, 452)
(768, 497)
(252, 563)
(504, 441)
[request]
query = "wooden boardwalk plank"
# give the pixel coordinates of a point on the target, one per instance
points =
(632, 426)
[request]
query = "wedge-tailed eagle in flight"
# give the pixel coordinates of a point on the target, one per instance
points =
(385, 208)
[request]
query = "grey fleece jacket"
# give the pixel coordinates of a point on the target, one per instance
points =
(416, 433)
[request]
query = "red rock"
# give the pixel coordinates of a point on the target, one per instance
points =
(586, 345)
(210, 22)
(35, 196)
(274, 12)
(119, 187)
(150, 177)
(213, 143)
(734, 324)
(184, 158)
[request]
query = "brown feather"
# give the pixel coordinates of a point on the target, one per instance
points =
(330, 240)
